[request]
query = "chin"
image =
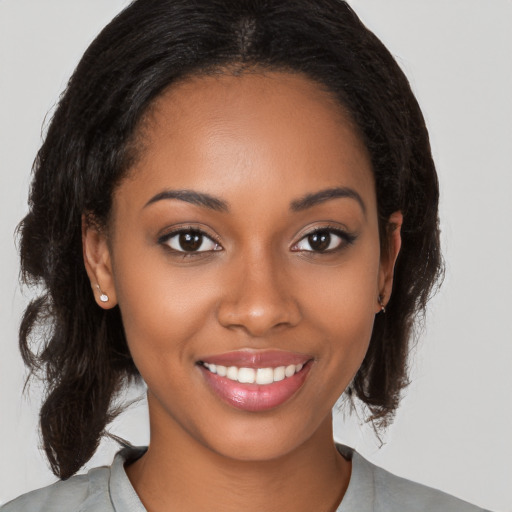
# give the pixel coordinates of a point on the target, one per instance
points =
(265, 439)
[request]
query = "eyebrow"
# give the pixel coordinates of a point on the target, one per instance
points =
(310, 200)
(216, 204)
(192, 197)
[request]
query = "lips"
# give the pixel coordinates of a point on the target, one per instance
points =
(255, 381)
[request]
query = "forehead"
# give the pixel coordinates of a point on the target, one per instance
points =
(257, 132)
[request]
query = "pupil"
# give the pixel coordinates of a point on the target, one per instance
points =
(320, 240)
(191, 241)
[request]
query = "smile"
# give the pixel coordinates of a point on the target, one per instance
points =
(260, 376)
(255, 381)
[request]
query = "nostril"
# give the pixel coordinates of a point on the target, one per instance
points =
(257, 298)
(258, 321)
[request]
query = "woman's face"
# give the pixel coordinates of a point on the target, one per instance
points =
(245, 236)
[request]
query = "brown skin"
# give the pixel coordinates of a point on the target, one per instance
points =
(258, 142)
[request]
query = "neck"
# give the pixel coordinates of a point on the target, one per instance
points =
(180, 473)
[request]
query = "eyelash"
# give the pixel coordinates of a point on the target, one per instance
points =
(345, 239)
(194, 231)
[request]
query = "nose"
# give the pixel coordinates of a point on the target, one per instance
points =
(258, 297)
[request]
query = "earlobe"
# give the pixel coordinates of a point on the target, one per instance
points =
(388, 260)
(97, 260)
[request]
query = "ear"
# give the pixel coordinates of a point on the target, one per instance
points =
(388, 259)
(98, 263)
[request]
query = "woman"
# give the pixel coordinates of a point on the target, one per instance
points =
(249, 185)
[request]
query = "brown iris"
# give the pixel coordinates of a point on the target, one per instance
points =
(320, 240)
(190, 241)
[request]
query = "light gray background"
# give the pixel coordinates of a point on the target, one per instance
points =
(454, 429)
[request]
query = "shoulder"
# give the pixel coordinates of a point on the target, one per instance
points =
(97, 491)
(400, 491)
(382, 491)
(67, 495)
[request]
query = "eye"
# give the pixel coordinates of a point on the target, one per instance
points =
(323, 240)
(190, 240)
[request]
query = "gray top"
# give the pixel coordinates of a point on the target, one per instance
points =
(107, 489)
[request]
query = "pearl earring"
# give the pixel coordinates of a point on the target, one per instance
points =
(381, 304)
(103, 296)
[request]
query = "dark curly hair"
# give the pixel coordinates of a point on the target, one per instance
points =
(80, 349)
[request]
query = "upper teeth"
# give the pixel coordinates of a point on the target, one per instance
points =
(254, 375)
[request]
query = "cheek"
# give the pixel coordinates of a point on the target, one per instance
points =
(162, 307)
(341, 305)
(348, 335)
(347, 323)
